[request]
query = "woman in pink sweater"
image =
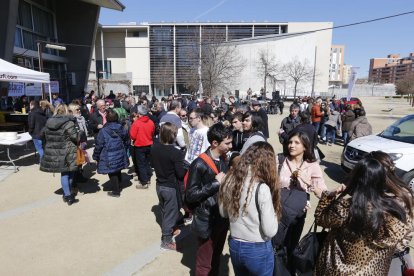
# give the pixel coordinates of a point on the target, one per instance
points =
(300, 170)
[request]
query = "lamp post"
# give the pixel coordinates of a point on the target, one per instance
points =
(40, 56)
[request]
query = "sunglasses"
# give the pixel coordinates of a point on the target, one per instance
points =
(183, 116)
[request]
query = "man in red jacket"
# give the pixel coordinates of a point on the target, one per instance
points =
(142, 133)
(317, 114)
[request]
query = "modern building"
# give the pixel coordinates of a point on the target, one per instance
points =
(28, 27)
(336, 67)
(163, 58)
(390, 69)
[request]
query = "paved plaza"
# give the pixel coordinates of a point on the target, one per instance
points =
(40, 235)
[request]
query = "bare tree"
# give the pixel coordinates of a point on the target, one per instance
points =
(220, 63)
(299, 72)
(405, 86)
(267, 66)
(164, 76)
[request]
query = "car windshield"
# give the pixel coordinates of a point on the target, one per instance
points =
(402, 130)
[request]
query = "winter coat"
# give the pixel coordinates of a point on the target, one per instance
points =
(359, 128)
(36, 121)
(347, 118)
(82, 128)
(288, 124)
(94, 120)
(61, 139)
(316, 113)
(110, 148)
(334, 120)
(142, 132)
(345, 253)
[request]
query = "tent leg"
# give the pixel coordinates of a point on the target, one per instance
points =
(50, 93)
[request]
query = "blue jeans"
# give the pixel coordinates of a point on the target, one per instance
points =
(252, 258)
(345, 137)
(39, 147)
(169, 211)
(316, 126)
(330, 134)
(66, 179)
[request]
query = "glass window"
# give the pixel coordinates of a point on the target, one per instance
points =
(18, 40)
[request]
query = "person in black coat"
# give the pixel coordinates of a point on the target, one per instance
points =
(37, 121)
(168, 163)
(306, 127)
(262, 113)
(110, 151)
(61, 139)
(97, 119)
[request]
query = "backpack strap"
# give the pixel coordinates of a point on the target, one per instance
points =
(209, 162)
(256, 197)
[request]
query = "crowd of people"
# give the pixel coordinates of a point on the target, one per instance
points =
(215, 171)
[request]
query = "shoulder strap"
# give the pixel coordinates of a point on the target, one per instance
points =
(209, 162)
(256, 197)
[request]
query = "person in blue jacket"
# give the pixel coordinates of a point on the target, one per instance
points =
(110, 151)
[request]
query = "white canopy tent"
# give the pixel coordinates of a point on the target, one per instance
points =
(10, 72)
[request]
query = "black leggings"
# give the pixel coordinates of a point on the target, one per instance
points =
(115, 179)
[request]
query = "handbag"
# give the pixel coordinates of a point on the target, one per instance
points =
(306, 253)
(80, 157)
(201, 224)
(405, 269)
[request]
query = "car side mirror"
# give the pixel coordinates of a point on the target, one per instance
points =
(395, 130)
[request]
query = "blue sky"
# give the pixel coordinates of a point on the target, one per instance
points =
(362, 42)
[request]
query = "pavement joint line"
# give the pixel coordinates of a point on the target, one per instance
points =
(25, 208)
(136, 262)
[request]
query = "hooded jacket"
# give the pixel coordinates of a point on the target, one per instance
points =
(36, 121)
(142, 132)
(110, 148)
(334, 120)
(359, 128)
(61, 139)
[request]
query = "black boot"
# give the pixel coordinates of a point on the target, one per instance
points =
(72, 199)
(65, 198)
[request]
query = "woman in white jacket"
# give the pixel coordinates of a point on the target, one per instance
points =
(252, 224)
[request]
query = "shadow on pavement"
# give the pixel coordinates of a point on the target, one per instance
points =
(334, 171)
(157, 213)
(187, 245)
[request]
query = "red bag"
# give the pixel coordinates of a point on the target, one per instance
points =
(208, 161)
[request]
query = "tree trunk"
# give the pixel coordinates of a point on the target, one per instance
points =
(294, 92)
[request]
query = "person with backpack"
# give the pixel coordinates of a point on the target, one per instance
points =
(250, 197)
(168, 163)
(252, 130)
(110, 151)
(201, 196)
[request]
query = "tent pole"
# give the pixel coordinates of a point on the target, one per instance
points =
(50, 93)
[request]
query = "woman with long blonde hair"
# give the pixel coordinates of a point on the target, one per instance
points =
(250, 198)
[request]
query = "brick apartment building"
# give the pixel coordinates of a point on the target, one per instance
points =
(390, 69)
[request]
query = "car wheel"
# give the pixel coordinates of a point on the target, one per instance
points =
(409, 179)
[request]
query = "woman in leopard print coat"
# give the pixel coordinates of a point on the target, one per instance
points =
(366, 224)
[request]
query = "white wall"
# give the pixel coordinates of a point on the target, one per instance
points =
(285, 49)
(138, 61)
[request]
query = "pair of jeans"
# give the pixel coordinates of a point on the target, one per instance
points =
(345, 137)
(209, 250)
(115, 178)
(143, 159)
(66, 179)
(252, 258)
(330, 134)
(38, 144)
(168, 203)
(316, 125)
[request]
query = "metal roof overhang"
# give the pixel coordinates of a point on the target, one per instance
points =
(109, 4)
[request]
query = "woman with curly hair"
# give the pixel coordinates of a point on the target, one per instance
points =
(250, 197)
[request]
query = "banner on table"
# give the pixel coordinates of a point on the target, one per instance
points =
(16, 89)
(33, 89)
(54, 87)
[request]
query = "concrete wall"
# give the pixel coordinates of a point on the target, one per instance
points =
(138, 61)
(285, 49)
(362, 90)
(77, 22)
